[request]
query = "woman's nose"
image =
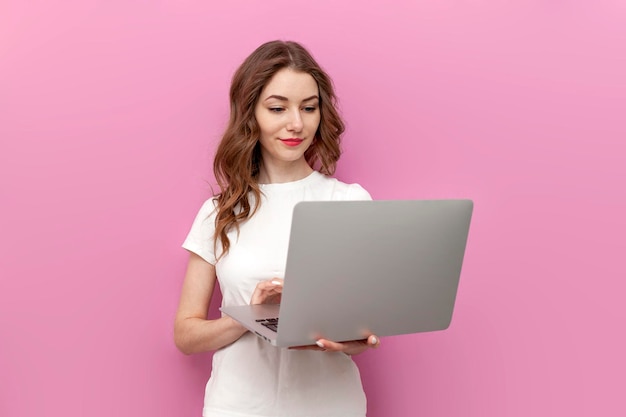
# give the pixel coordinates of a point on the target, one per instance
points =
(295, 122)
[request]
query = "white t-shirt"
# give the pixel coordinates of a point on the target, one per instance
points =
(250, 377)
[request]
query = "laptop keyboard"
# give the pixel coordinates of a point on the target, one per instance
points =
(271, 323)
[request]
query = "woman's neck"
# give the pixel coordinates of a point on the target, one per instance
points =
(272, 174)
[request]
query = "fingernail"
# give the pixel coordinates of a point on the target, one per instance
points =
(276, 282)
(374, 341)
(320, 344)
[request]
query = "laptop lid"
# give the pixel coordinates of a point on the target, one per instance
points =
(356, 268)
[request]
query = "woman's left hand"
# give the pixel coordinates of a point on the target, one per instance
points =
(349, 348)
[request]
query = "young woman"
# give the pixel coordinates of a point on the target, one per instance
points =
(280, 146)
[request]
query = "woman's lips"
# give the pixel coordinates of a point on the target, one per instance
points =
(292, 141)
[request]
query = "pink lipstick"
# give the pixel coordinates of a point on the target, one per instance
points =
(292, 141)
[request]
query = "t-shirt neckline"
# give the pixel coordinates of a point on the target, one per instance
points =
(291, 184)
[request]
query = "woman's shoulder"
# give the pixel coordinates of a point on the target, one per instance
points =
(205, 217)
(200, 237)
(343, 190)
(209, 206)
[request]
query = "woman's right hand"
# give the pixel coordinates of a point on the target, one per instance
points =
(268, 292)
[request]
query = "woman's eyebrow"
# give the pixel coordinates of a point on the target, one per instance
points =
(313, 97)
(281, 98)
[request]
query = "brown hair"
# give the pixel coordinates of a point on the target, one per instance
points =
(238, 157)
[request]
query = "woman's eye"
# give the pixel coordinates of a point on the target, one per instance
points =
(310, 109)
(276, 109)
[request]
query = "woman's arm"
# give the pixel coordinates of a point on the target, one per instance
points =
(193, 333)
(350, 348)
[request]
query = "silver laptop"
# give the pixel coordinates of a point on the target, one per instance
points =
(356, 268)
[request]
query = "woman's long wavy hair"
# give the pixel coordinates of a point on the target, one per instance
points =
(238, 157)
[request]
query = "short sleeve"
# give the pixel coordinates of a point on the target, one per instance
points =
(356, 192)
(201, 236)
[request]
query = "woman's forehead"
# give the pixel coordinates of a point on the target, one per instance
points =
(291, 85)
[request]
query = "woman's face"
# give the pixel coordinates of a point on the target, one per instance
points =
(288, 115)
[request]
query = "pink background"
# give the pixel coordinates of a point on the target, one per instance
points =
(110, 110)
